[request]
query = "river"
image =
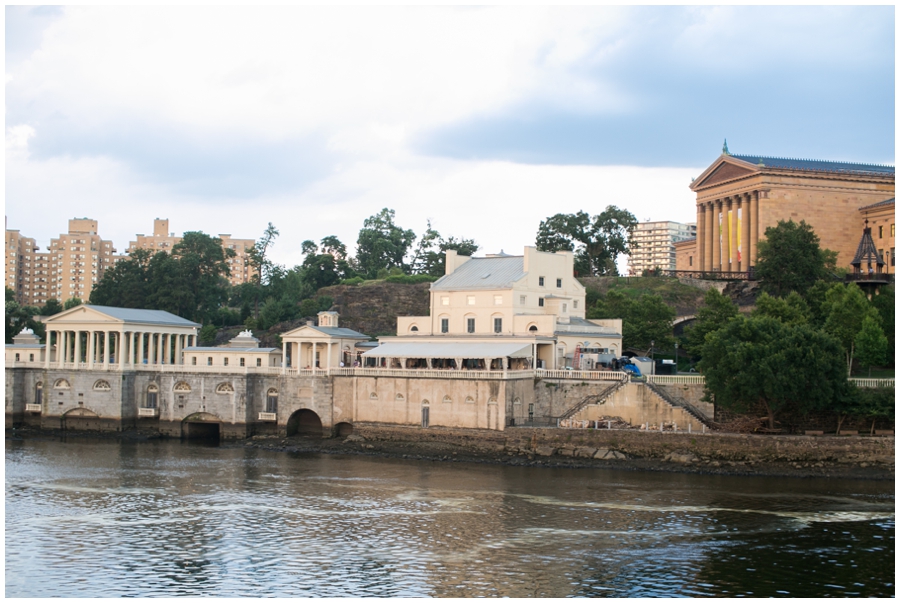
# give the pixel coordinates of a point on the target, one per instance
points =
(107, 518)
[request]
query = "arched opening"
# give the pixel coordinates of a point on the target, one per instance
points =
(342, 430)
(39, 392)
(304, 422)
(81, 419)
(152, 398)
(532, 329)
(272, 400)
(201, 426)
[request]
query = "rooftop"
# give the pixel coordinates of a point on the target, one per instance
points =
(816, 165)
(884, 203)
(483, 273)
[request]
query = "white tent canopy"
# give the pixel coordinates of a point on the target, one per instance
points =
(451, 350)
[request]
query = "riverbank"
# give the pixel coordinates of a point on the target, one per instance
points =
(845, 457)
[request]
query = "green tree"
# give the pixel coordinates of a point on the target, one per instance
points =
(847, 308)
(199, 271)
(72, 302)
(876, 403)
(258, 259)
(597, 242)
(789, 259)
(126, 285)
(644, 320)
(871, 344)
(19, 317)
(783, 367)
(382, 244)
(327, 268)
(717, 309)
(430, 254)
(884, 303)
(791, 309)
(208, 334)
(51, 307)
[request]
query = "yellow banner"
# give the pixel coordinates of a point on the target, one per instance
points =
(730, 240)
(739, 230)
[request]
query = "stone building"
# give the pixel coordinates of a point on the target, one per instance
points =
(322, 346)
(242, 351)
(739, 196)
(163, 240)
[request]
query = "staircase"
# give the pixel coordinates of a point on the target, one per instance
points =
(594, 399)
(678, 402)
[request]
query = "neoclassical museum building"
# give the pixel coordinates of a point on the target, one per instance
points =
(740, 196)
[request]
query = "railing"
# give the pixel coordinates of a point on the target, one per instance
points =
(675, 379)
(580, 375)
(882, 277)
(148, 412)
(863, 382)
(33, 408)
(712, 275)
(431, 373)
(268, 416)
(677, 402)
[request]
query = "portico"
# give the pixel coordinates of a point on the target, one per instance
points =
(105, 338)
(320, 347)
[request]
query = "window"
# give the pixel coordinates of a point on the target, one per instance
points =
(445, 325)
(259, 362)
(470, 300)
(225, 362)
(522, 299)
(30, 357)
(559, 283)
(540, 281)
(17, 357)
(881, 232)
(194, 360)
(445, 301)
(565, 308)
(272, 400)
(498, 325)
(152, 395)
(498, 300)
(892, 256)
(892, 230)
(575, 305)
(532, 329)
(242, 362)
(414, 329)
(209, 361)
(470, 325)
(541, 302)
(38, 392)
(690, 260)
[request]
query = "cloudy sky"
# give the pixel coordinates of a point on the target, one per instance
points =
(483, 120)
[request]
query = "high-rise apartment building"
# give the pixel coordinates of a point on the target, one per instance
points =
(163, 240)
(655, 245)
(74, 262)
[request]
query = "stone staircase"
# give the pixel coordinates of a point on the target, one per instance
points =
(679, 402)
(594, 399)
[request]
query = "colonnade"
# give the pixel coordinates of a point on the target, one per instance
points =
(728, 232)
(313, 348)
(120, 348)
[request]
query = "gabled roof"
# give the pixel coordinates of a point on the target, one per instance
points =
(483, 273)
(339, 332)
(127, 315)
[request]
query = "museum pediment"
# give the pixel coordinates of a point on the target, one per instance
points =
(726, 168)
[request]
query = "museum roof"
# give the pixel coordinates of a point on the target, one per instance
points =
(884, 203)
(483, 273)
(816, 165)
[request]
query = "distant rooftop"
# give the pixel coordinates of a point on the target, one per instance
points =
(496, 272)
(884, 203)
(816, 165)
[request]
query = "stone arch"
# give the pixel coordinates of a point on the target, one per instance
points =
(224, 388)
(201, 426)
(399, 398)
(102, 385)
(152, 398)
(373, 396)
(304, 422)
(80, 419)
(492, 400)
(343, 429)
(61, 384)
(181, 387)
(39, 392)
(272, 400)
(413, 329)
(447, 400)
(532, 328)
(470, 400)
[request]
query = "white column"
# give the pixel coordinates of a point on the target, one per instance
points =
(178, 358)
(328, 359)
(47, 341)
(283, 357)
(77, 347)
(313, 363)
(131, 339)
(105, 349)
(120, 349)
(91, 349)
(533, 356)
(151, 349)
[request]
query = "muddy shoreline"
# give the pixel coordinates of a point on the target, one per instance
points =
(438, 450)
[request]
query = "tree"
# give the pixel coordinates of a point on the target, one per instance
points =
(783, 367)
(644, 320)
(51, 307)
(430, 254)
(717, 309)
(876, 403)
(871, 344)
(72, 302)
(791, 309)
(597, 242)
(884, 303)
(258, 259)
(789, 259)
(19, 317)
(126, 285)
(382, 244)
(847, 308)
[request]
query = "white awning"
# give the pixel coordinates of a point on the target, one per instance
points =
(438, 349)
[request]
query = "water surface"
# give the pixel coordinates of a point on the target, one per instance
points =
(165, 518)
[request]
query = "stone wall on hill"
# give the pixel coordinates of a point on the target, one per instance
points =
(373, 308)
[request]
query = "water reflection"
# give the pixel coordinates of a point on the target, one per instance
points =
(163, 518)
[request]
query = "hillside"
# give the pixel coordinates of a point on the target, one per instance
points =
(373, 307)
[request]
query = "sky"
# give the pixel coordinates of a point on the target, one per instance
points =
(484, 121)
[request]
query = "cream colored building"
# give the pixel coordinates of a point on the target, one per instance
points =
(163, 240)
(105, 338)
(323, 346)
(740, 196)
(654, 245)
(242, 351)
(501, 312)
(75, 261)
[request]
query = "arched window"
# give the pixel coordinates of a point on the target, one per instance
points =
(414, 329)
(38, 392)
(102, 386)
(152, 396)
(400, 398)
(445, 323)
(272, 400)
(182, 387)
(224, 388)
(517, 402)
(373, 396)
(532, 329)
(61, 384)
(492, 401)
(446, 400)
(470, 400)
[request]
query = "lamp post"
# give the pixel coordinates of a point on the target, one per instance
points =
(676, 356)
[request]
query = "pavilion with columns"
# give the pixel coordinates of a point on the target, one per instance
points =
(102, 337)
(321, 346)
